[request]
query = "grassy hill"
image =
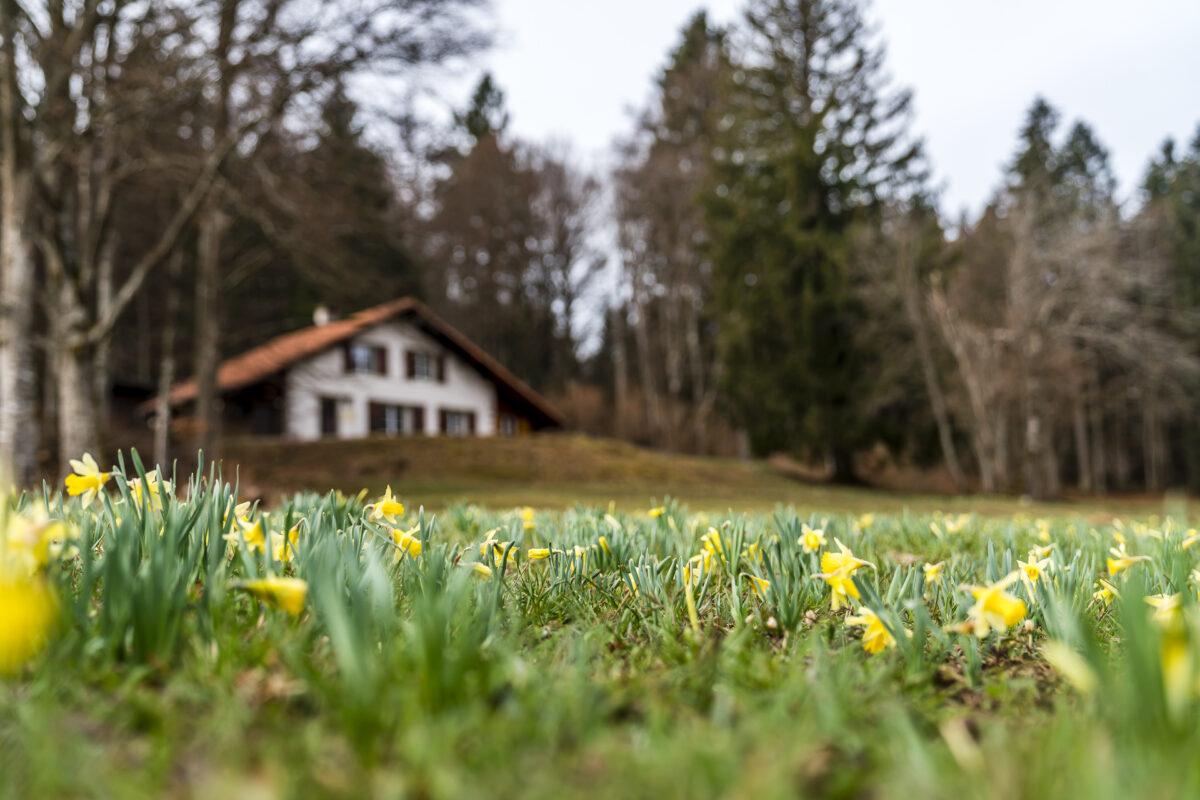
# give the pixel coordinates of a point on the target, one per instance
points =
(560, 470)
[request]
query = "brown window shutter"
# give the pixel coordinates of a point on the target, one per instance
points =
(410, 363)
(471, 423)
(381, 360)
(347, 361)
(418, 416)
(376, 415)
(443, 421)
(441, 369)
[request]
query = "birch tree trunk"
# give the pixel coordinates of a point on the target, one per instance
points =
(18, 384)
(18, 380)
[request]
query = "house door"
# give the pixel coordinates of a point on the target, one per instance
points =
(329, 415)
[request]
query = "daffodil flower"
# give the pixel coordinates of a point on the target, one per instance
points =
(995, 609)
(87, 481)
(388, 506)
(155, 484)
(876, 636)
(657, 512)
(481, 570)
(249, 532)
(1168, 608)
(1031, 571)
(407, 543)
(837, 570)
(527, 518)
(759, 585)
(811, 539)
(1120, 560)
(287, 594)
(1106, 592)
(933, 572)
(28, 612)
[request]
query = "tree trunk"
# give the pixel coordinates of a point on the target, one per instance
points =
(1099, 457)
(620, 374)
(166, 372)
(654, 415)
(76, 414)
(1083, 454)
(933, 387)
(18, 379)
(208, 328)
(101, 369)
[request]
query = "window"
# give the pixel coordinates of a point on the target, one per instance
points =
(366, 359)
(426, 366)
(508, 425)
(394, 420)
(423, 366)
(458, 423)
(329, 416)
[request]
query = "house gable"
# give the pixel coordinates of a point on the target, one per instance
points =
(409, 377)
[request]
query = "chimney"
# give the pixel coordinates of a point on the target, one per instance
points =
(321, 315)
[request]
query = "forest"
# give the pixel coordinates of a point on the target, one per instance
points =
(765, 269)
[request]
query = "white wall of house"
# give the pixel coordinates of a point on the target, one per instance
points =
(324, 375)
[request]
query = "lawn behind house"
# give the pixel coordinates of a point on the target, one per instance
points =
(561, 470)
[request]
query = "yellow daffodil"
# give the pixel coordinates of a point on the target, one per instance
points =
(287, 594)
(283, 548)
(604, 546)
(156, 485)
(28, 612)
(713, 544)
(482, 571)
(1168, 608)
(1106, 592)
(811, 539)
(657, 512)
(87, 481)
(527, 518)
(1043, 529)
(759, 585)
(876, 637)
(1032, 570)
(388, 507)
(837, 570)
(1189, 540)
(933, 572)
(249, 532)
(407, 543)
(995, 609)
(30, 540)
(1120, 560)
(864, 522)
(1038, 553)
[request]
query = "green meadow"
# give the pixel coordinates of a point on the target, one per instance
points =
(160, 638)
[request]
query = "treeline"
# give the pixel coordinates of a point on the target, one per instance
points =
(764, 270)
(785, 268)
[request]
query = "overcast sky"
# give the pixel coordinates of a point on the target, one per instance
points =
(575, 69)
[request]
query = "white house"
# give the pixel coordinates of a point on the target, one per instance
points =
(395, 369)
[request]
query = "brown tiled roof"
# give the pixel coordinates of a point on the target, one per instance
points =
(281, 352)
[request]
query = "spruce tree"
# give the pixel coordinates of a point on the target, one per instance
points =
(812, 141)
